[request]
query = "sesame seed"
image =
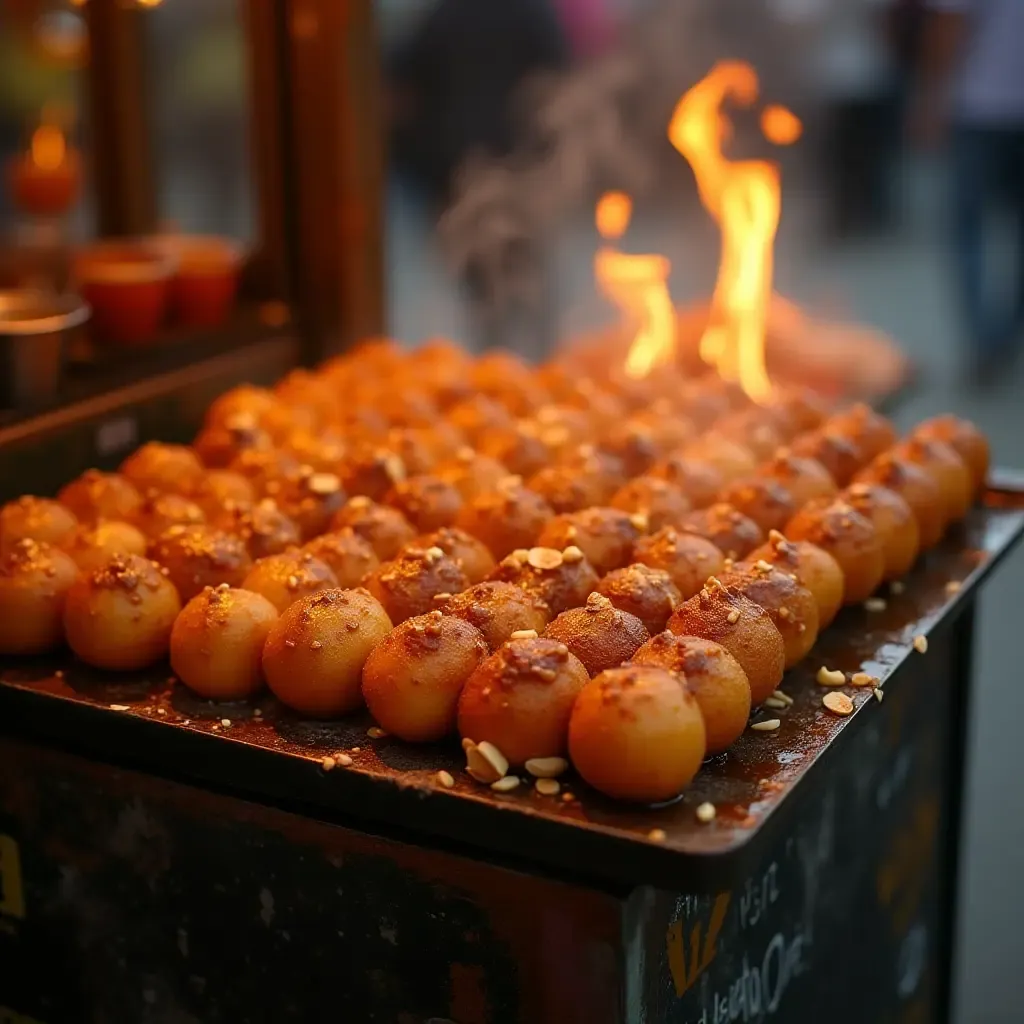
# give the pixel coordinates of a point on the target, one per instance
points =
(446, 779)
(920, 643)
(546, 767)
(733, 617)
(328, 763)
(830, 677)
(523, 634)
(875, 604)
(879, 694)
(706, 812)
(863, 679)
(953, 587)
(355, 750)
(838, 703)
(344, 760)
(567, 797)
(768, 725)
(547, 787)
(120, 707)
(544, 558)
(657, 835)
(375, 732)
(226, 722)
(640, 521)
(762, 565)
(775, 703)
(784, 697)
(161, 711)
(572, 554)
(505, 784)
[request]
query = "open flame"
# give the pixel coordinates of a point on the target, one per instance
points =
(48, 147)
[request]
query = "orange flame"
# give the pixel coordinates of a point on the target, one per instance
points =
(780, 125)
(48, 147)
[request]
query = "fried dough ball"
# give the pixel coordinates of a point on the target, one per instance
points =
(660, 502)
(311, 500)
(218, 444)
(599, 634)
(804, 478)
(498, 610)
(196, 557)
(814, 567)
(91, 546)
(520, 699)
(371, 470)
(477, 414)
(647, 593)
(712, 675)
(443, 367)
(505, 377)
(916, 487)
(572, 487)
(870, 432)
(349, 556)
(163, 467)
(32, 518)
(426, 501)
(34, 582)
(120, 617)
(754, 429)
(244, 400)
(407, 585)
(221, 489)
(562, 579)
(699, 481)
(838, 528)
(413, 677)
(472, 556)
(160, 511)
(314, 655)
(894, 520)
(605, 535)
(412, 446)
(217, 642)
(733, 533)
(838, 453)
(561, 429)
(321, 452)
(732, 460)
(96, 495)
(385, 529)
(285, 578)
(636, 446)
(965, 439)
(637, 734)
(703, 400)
(797, 410)
(688, 559)
(263, 527)
(789, 603)
(946, 468)
(668, 428)
(516, 447)
(405, 406)
(509, 517)
(472, 474)
(266, 469)
(742, 627)
(762, 499)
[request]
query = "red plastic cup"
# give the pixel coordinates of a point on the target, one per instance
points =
(206, 282)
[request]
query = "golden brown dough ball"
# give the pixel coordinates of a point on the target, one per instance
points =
(31, 518)
(314, 655)
(797, 410)
(605, 535)
(34, 582)
(754, 429)
(426, 501)
(371, 470)
(471, 474)
(385, 529)
(599, 634)
(712, 675)
(805, 479)
(245, 400)
(309, 391)
(219, 444)
(637, 734)
(732, 460)
(965, 439)
(412, 446)
(159, 512)
(266, 469)
(647, 593)
(408, 585)
(413, 677)
(699, 481)
(669, 429)
(742, 627)
(443, 368)
(562, 579)
(221, 489)
(217, 642)
(789, 603)
(636, 445)
(120, 617)
(733, 533)
(285, 578)
(163, 467)
(837, 452)
(703, 400)
(498, 610)
(661, 503)
(95, 495)
(472, 556)
(311, 500)
(517, 447)
(505, 377)
(520, 699)
(477, 414)
(91, 546)
(814, 567)
(586, 478)
(916, 487)
(263, 527)
(894, 520)
(561, 429)
(196, 557)
(762, 499)
(406, 406)
(597, 402)
(322, 452)
(870, 432)
(946, 468)
(349, 556)
(509, 517)
(688, 559)
(849, 538)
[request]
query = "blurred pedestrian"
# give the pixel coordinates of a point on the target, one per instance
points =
(973, 96)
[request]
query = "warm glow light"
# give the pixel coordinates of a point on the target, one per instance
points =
(780, 125)
(48, 148)
(613, 213)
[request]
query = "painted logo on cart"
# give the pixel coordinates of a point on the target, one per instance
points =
(690, 956)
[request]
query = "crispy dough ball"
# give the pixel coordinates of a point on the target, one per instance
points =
(321, 452)
(31, 518)
(196, 557)
(412, 446)
(471, 555)
(638, 445)
(837, 452)
(244, 400)
(669, 429)
(91, 546)
(570, 488)
(443, 368)
(505, 377)
(647, 593)
(95, 495)
(509, 517)
(660, 502)
(406, 406)
(742, 627)
(311, 500)
(163, 467)
(371, 470)
(218, 444)
(714, 677)
(314, 655)
(733, 533)
(805, 479)
(916, 487)
(34, 582)
(160, 511)
(688, 559)
(814, 567)
(263, 527)
(704, 400)
(762, 499)
(699, 481)
(222, 489)
(605, 535)
(413, 677)
(120, 617)
(348, 555)
(849, 538)
(266, 469)
(789, 603)
(946, 468)
(477, 414)
(965, 439)
(732, 459)
(498, 610)
(754, 429)
(517, 447)
(599, 634)
(562, 579)
(637, 734)
(894, 520)
(407, 585)
(561, 429)
(217, 642)
(870, 432)
(285, 578)
(385, 529)
(797, 410)
(427, 501)
(520, 699)
(471, 474)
